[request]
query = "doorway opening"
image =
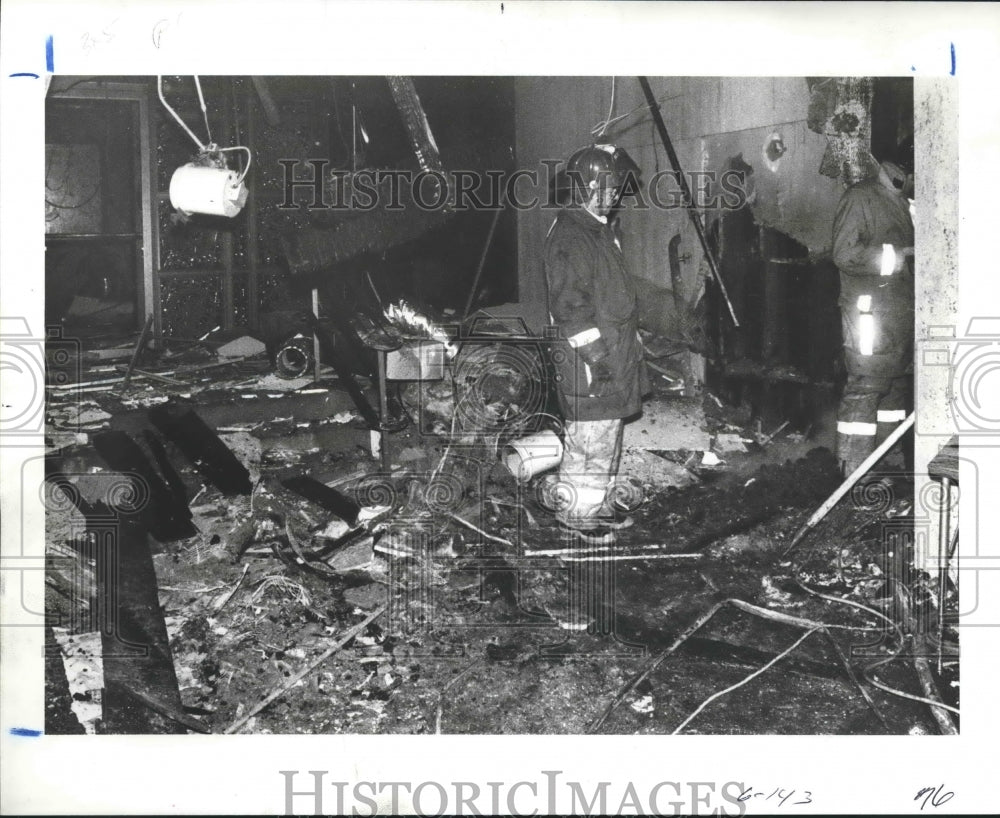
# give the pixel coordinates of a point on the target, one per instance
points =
(93, 224)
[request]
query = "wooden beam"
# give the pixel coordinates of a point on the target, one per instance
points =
(150, 222)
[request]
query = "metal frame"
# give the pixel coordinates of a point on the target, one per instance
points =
(149, 290)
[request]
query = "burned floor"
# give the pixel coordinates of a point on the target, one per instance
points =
(282, 580)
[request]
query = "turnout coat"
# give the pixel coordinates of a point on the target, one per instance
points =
(868, 217)
(592, 301)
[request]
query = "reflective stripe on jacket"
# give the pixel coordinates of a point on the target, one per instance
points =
(868, 217)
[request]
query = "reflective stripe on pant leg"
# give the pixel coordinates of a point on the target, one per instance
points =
(855, 441)
(892, 407)
(856, 426)
(887, 420)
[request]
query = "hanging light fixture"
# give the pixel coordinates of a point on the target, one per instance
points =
(206, 185)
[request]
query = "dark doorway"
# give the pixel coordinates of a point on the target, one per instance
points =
(93, 236)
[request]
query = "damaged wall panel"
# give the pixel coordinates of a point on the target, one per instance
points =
(794, 198)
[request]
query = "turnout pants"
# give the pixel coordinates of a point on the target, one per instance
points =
(591, 456)
(877, 395)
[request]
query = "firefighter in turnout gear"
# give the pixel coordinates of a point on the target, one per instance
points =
(873, 249)
(598, 357)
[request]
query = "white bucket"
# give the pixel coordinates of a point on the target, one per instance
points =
(212, 191)
(533, 455)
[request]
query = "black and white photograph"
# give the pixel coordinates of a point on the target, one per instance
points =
(588, 408)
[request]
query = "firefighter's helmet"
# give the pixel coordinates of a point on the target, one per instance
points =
(600, 167)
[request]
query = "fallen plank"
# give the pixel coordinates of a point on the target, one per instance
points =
(225, 411)
(154, 376)
(200, 444)
(324, 496)
(136, 649)
(636, 550)
(108, 383)
(163, 507)
(849, 482)
(111, 354)
(612, 557)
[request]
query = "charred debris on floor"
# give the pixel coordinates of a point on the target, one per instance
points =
(261, 537)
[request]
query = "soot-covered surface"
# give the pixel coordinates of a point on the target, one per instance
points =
(488, 631)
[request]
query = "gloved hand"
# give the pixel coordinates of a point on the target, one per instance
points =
(601, 377)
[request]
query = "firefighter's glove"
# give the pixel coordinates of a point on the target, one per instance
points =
(601, 377)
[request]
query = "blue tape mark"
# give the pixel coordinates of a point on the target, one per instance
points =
(24, 74)
(27, 732)
(50, 60)
(953, 59)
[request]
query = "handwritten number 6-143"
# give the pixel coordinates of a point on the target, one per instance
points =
(780, 796)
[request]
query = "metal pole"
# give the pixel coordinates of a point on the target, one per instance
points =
(654, 109)
(383, 399)
(482, 262)
(848, 484)
(944, 537)
(316, 349)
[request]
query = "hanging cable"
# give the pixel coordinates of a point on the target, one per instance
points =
(603, 126)
(175, 115)
(246, 170)
(204, 109)
(211, 146)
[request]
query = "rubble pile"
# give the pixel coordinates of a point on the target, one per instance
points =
(275, 532)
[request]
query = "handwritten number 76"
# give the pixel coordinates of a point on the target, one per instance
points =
(934, 796)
